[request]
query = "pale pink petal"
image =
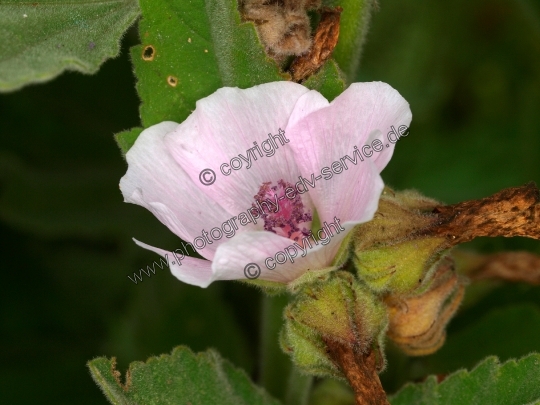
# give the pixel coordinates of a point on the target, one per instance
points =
(233, 256)
(329, 132)
(225, 125)
(155, 181)
(187, 269)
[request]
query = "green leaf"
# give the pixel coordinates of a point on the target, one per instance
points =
(126, 139)
(328, 81)
(353, 27)
(189, 50)
(505, 324)
(42, 39)
(179, 378)
(512, 383)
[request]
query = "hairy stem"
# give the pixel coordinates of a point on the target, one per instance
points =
(298, 388)
(514, 211)
(360, 369)
(275, 365)
(508, 266)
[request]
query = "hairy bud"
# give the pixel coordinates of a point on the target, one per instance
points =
(417, 323)
(390, 252)
(335, 308)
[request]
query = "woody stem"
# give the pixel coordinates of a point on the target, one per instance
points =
(360, 369)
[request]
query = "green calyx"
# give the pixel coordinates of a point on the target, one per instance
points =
(336, 307)
(390, 253)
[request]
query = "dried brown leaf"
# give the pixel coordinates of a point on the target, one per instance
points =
(324, 42)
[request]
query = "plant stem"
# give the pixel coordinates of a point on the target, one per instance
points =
(298, 388)
(275, 366)
(360, 369)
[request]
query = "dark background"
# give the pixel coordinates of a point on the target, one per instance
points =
(471, 72)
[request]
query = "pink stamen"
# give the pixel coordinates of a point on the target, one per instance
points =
(284, 220)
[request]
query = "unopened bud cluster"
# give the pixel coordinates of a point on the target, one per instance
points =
(395, 280)
(410, 269)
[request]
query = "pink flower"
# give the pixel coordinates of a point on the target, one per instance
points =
(229, 133)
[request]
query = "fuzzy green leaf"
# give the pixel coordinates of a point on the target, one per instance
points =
(42, 39)
(189, 50)
(512, 383)
(328, 81)
(126, 139)
(182, 377)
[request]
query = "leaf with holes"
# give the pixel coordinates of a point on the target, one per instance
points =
(189, 50)
(512, 383)
(179, 378)
(40, 40)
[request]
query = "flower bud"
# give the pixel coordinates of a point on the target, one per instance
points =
(338, 308)
(417, 323)
(390, 253)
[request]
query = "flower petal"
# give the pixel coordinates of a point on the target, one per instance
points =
(225, 125)
(325, 133)
(189, 270)
(233, 256)
(155, 181)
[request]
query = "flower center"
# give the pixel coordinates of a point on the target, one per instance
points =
(282, 215)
